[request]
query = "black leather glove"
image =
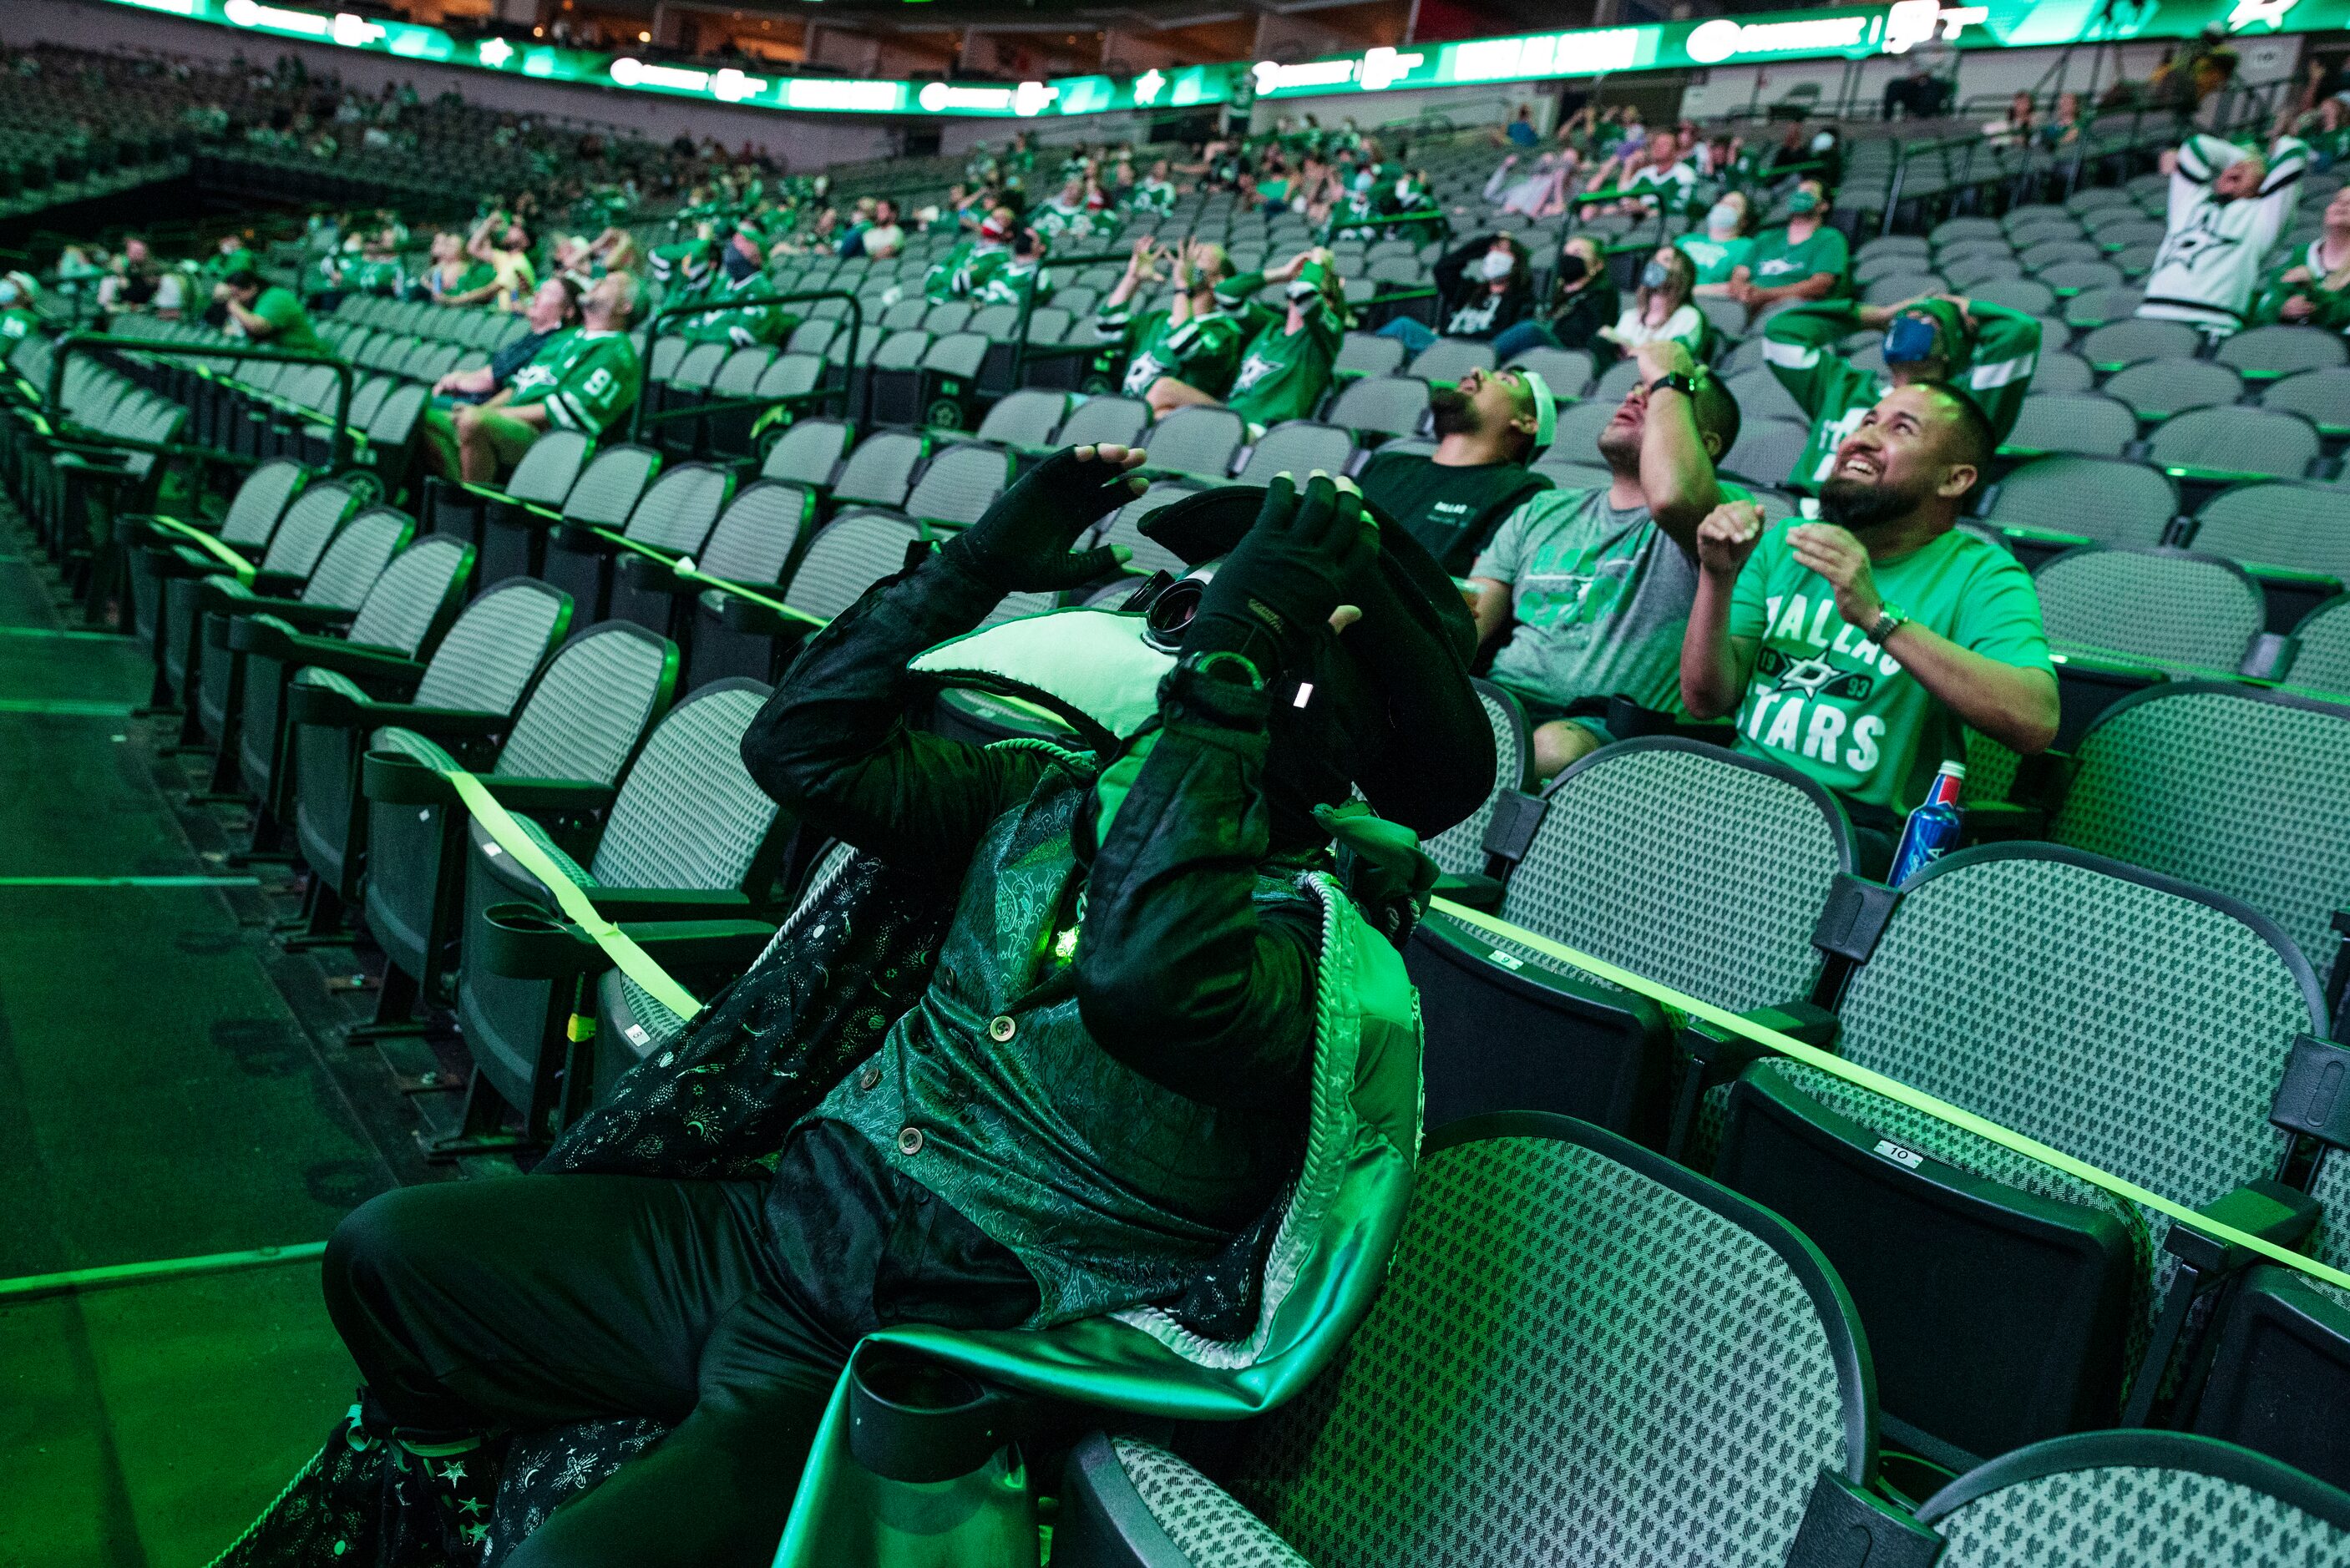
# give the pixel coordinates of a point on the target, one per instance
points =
(1271, 599)
(1022, 544)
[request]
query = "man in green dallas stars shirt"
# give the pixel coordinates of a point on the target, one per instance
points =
(583, 379)
(1856, 650)
(1987, 351)
(1285, 366)
(1194, 344)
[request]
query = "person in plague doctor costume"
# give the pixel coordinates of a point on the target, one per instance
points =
(1108, 1052)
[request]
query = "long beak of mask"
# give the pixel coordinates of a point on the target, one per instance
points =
(1093, 670)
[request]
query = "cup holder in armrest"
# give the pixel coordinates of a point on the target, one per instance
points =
(914, 1419)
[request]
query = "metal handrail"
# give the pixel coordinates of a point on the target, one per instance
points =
(95, 340)
(705, 308)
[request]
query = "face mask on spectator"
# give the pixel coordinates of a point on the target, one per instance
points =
(738, 265)
(1403, 190)
(1721, 220)
(1654, 275)
(1363, 179)
(1570, 268)
(1823, 142)
(1499, 265)
(1804, 201)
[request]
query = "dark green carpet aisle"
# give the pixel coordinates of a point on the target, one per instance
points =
(168, 1087)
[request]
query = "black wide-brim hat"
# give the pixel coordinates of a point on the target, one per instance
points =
(1435, 765)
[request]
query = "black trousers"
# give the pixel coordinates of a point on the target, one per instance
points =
(724, 1308)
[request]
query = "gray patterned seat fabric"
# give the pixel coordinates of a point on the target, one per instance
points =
(678, 509)
(2086, 422)
(881, 470)
(2228, 788)
(1583, 1356)
(2303, 525)
(2168, 606)
(1199, 440)
(1459, 850)
(807, 452)
(687, 817)
(609, 487)
(2236, 440)
(399, 609)
(1687, 866)
(1378, 405)
(754, 542)
(848, 556)
(1125, 527)
(2131, 1023)
(550, 468)
(2323, 661)
(961, 484)
(2138, 1500)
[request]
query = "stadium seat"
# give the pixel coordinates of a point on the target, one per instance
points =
(809, 452)
(671, 519)
(515, 533)
(465, 692)
(405, 611)
(878, 473)
(1297, 447)
(2135, 1022)
(959, 485)
(1380, 405)
(2026, 294)
(1125, 527)
(1579, 428)
(2121, 343)
(1567, 370)
(1595, 1323)
(2266, 353)
(153, 559)
(2128, 616)
(1200, 441)
(688, 836)
(2061, 371)
(333, 592)
(1367, 354)
(2321, 648)
(2137, 1499)
(2227, 788)
(1767, 451)
(310, 521)
(2052, 503)
(1119, 421)
(1025, 420)
(1459, 850)
(1760, 397)
(2158, 389)
(2320, 396)
(2094, 308)
(543, 478)
(2223, 444)
(2088, 424)
(1690, 843)
(1448, 359)
(586, 712)
(2294, 539)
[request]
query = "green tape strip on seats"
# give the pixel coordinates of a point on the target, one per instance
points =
(226, 556)
(1901, 1094)
(677, 566)
(577, 908)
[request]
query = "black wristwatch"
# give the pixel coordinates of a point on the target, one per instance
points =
(1678, 382)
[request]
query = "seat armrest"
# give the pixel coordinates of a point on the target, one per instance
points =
(647, 576)
(1105, 1522)
(583, 540)
(1716, 1056)
(669, 903)
(322, 705)
(2001, 822)
(549, 794)
(507, 513)
(1471, 889)
(275, 585)
(2269, 1209)
(739, 614)
(397, 675)
(525, 941)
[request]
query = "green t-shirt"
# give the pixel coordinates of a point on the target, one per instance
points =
(1778, 261)
(1600, 598)
(1716, 259)
(587, 380)
(1451, 509)
(1283, 374)
(1799, 344)
(289, 323)
(1829, 703)
(17, 322)
(743, 325)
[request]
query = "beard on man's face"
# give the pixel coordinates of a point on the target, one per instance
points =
(1860, 505)
(1455, 412)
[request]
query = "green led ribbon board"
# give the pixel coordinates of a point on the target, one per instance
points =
(1846, 33)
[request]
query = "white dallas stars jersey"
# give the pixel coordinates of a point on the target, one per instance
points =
(2212, 258)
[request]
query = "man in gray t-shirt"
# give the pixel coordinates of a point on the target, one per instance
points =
(1593, 586)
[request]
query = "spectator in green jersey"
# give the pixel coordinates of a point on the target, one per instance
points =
(269, 314)
(583, 379)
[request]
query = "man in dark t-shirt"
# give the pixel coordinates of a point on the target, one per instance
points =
(1452, 499)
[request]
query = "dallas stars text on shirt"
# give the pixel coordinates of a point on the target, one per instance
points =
(1797, 701)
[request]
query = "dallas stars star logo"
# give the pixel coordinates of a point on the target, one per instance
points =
(1254, 369)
